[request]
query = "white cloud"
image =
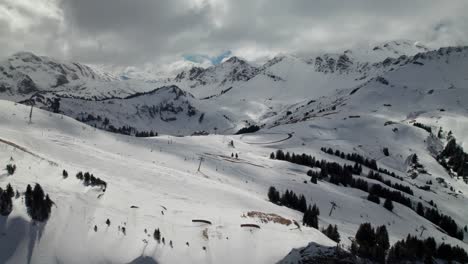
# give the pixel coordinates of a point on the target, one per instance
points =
(140, 32)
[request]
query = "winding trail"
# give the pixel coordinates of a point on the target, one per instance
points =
(289, 135)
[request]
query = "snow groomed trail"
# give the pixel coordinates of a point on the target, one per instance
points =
(273, 140)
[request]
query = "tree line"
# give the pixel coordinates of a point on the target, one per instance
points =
(412, 249)
(89, 180)
(376, 176)
(445, 222)
(369, 163)
(299, 203)
(454, 159)
(370, 243)
(249, 129)
(124, 130)
(373, 244)
(343, 174)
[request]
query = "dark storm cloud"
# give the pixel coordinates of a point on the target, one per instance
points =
(134, 32)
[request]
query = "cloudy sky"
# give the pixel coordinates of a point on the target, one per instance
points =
(138, 32)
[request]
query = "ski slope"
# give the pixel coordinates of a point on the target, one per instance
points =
(160, 175)
(167, 181)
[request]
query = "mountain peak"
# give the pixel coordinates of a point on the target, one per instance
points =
(25, 56)
(235, 60)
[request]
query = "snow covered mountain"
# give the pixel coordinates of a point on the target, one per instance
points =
(167, 110)
(384, 123)
(24, 74)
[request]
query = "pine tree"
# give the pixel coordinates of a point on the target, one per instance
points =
(9, 190)
(381, 237)
(28, 196)
(6, 204)
(302, 204)
(420, 209)
(332, 233)
(336, 235)
(11, 168)
(386, 152)
(273, 195)
(373, 198)
(64, 174)
(388, 204)
(157, 235)
(108, 222)
(314, 179)
(310, 217)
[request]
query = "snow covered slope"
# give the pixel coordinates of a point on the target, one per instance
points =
(151, 183)
(167, 109)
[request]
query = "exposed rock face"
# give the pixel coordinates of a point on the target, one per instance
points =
(25, 84)
(315, 253)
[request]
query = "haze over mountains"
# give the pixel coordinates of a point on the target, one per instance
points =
(397, 108)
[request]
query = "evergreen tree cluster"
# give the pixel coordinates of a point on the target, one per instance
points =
(89, 180)
(38, 204)
(249, 129)
(339, 174)
(359, 159)
(299, 203)
(371, 243)
(11, 168)
(370, 163)
(150, 133)
(414, 250)
(124, 130)
(313, 176)
(129, 131)
(310, 217)
(6, 202)
(332, 233)
(373, 198)
(288, 199)
(89, 118)
(445, 222)
(425, 127)
(388, 204)
(453, 158)
(395, 196)
(64, 174)
(376, 176)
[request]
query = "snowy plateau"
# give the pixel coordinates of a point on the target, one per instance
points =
(180, 169)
